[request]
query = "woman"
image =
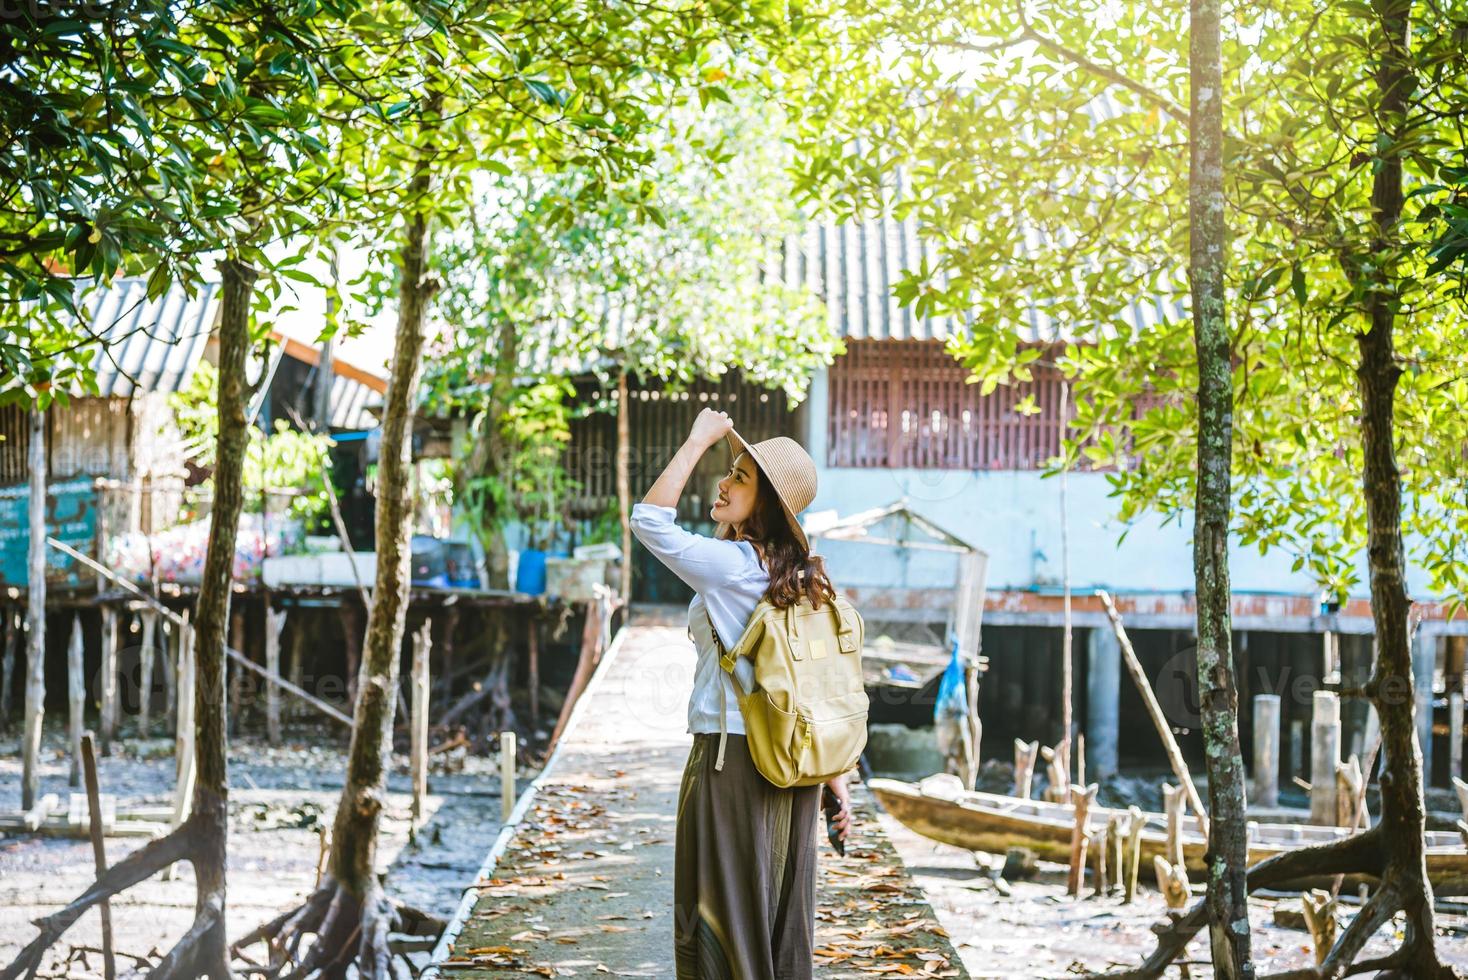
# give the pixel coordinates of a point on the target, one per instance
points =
(745, 865)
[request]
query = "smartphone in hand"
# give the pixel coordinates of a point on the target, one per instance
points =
(832, 806)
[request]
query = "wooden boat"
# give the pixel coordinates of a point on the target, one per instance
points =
(938, 809)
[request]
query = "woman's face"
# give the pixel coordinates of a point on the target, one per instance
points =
(737, 492)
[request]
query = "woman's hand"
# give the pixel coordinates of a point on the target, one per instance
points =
(842, 823)
(710, 427)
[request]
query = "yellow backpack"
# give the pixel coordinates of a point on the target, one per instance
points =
(806, 721)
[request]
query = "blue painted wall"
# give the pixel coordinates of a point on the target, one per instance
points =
(1015, 517)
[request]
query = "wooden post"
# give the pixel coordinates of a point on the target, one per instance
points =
(108, 679)
(76, 690)
(1104, 845)
(1461, 788)
(507, 775)
(1455, 734)
(1172, 806)
(236, 671)
(183, 743)
(974, 730)
(419, 721)
(1024, 767)
(274, 623)
(624, 481)
(352, 644)
(99, 849)
(168, 656)
(534, 675)
(35, 613)
(296, 668)
(1149, 698)
(1319, 907)
(1081, 798)
(1266, 750)
(9, 641)
(1325, 740)
(1116, 837)
(1136, 820)
(1349, 785)
(145, 699)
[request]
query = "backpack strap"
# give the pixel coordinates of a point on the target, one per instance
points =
(726, 661)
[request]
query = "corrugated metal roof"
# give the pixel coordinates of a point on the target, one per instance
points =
(853, 266)
(350, 401)
(147, 345)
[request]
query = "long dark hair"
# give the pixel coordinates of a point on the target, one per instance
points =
(794, 571)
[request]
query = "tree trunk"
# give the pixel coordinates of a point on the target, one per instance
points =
(1390, 688)
(624, 483)
(354, 833)
(1228, 907)
(210, 813)
(35, 614)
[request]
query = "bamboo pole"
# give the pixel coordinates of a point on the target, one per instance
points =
(99, 850)
(1149, 698)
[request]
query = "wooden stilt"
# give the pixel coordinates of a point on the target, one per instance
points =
(1081, 798)
(297, 660)
(108, 678)
(1135, 822)
(184, 732)
(99, 849)
(422, 641)
(274, 623)
(9, 642)
(1025, 754)
(236, 671)
(1116, 837)
(76, 689)
(1101, 876)
(1455, 734)
(507, 775)
(1325, 741)
(1172, 806)
(147, 656)
(533, 662)
(1320, 918)
(1266, 750)
(352, 645)
(168, 658)
(35, 613)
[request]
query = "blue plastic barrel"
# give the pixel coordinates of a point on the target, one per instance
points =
(530, 572)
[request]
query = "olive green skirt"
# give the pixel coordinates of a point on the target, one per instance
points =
(744, 882)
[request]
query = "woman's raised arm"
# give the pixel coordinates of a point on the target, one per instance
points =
(708, 429)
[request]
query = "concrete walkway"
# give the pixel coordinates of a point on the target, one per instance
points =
(585, 885)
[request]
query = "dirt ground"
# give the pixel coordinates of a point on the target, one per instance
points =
(280, 798)
(1038, 932)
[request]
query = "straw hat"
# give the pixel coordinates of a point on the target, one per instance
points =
(788, 469)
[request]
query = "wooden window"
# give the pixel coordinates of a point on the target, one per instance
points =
(907, 403)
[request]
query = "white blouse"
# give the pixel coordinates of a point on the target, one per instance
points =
(729, 582)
